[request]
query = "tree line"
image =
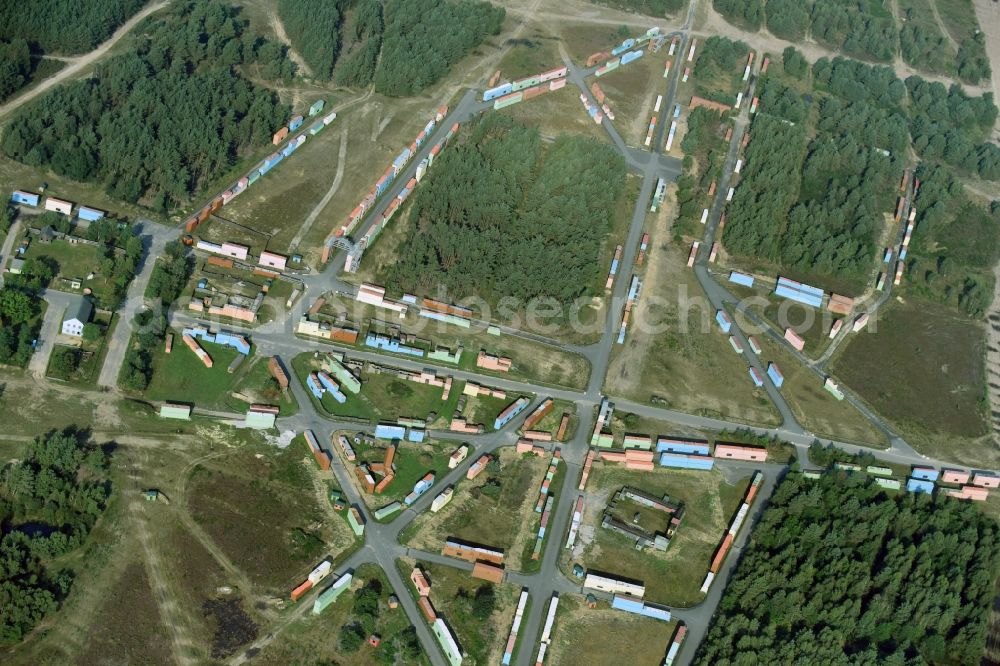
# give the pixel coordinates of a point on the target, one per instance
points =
(955, 244)
(404, 46)
(49, 502)
(123, 126)
(841, 571)
(704, 150)
(495, 216)
(863, 30)
(15, 66)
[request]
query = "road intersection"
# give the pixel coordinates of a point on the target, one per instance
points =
(381, 540)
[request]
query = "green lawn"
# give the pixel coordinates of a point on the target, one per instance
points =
(181, 376)
(256, 382)
(412, 462)
(75, 262)
(484, 409)
(383, 397)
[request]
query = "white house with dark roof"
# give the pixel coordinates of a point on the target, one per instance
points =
(77, 314)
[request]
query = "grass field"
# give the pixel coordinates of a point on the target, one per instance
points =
(75, 262)
(673, 577)
(535, 53)
(631, 90)
(452, 593)
(181, 376)
(674, 354)
(412, 462)
(959, 18)
(598, 636)
(550, 422)
(255, 383)
(931, 381)
(474, 516)
(534, 520)
(313, 640)
(264, 514)
(383, 397)
(815, 408)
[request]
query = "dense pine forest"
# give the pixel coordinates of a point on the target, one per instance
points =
(816, 205)
(424, 38)
(403, 47)
(840, 571)
(64, 26)
(154, 123)
(49, 502)
(498, 216)
(867, 30)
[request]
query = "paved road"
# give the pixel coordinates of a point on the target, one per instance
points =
(155, 238)
(381, 540)
(57, 302)
(8, 247)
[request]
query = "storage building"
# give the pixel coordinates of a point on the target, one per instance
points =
(175, 411)
(614, 585)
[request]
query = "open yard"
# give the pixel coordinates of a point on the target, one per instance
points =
(583, 635)
(257, 385)
(75, 262)
(495, 510)
(674, 354)
(480, 627)
(181, 376)
(263, 513)
(80, 364)
(383, 396)
(930, 382)
(631, 95)
(673, 577)
(412, 461)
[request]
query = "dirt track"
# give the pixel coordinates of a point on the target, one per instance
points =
(79, 63)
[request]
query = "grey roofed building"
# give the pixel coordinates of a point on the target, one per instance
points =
(77, 314)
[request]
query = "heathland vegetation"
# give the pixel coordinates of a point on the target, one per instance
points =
(500, 216)
(910, 579)
(647, 7)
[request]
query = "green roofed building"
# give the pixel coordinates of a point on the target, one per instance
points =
(387, 510)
